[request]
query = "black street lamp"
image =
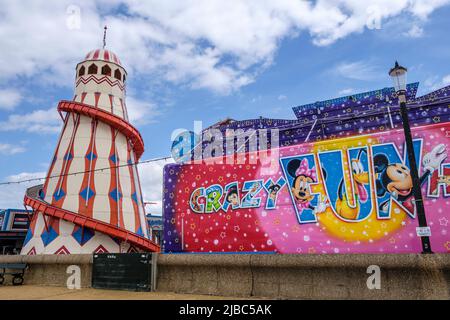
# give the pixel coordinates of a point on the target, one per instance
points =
(398, 75)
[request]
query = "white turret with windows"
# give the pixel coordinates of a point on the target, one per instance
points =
(100, 82)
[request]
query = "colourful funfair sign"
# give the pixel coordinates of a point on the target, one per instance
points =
(351, 195)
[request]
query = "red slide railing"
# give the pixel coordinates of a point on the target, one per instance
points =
(32, 200)
(107, 117)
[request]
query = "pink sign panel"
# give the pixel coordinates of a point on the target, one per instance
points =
(351, 195)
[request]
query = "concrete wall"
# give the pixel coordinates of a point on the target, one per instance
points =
(50, 270)
(273, 276)
(306, 276)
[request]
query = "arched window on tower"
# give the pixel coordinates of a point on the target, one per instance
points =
(106, 70)
(118, 74)
(92, 69)
(81, 71)
(124, 78)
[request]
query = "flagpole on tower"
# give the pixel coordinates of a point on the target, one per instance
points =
(104, 37)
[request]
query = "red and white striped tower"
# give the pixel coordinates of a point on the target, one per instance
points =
(91, 201)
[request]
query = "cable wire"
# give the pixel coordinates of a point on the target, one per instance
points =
(83, 172)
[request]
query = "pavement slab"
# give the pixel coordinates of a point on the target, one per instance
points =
(30, 292)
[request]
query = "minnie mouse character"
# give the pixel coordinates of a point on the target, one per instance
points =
(395, 178)
(300, 189)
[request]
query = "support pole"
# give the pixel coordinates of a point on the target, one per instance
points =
(182, 234)
(417, 192)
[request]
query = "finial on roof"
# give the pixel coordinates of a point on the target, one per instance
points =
(104, 37)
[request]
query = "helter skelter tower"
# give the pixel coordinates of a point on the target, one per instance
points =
(91, 201)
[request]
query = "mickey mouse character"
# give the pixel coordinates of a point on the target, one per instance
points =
(395, 178)
(301, 190)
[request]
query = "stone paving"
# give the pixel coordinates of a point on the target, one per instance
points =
(29, 292)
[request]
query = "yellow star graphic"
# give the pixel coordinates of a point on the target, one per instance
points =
(447, 245)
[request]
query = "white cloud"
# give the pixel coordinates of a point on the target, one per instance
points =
(9, 98)
(282, 97)
(141, 112)
(151, 177)
(11, 195)
(9, 149)
(446, 80)
(357, 70)
(346, 92)
(213, 44)
(26, 176)
(423, 8)
(415, 32)
(435, 82)
(38, 121)
(256, 99)
(48, 121)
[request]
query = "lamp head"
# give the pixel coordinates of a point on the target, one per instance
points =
(398, 75)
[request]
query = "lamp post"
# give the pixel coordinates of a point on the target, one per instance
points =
(398, 75)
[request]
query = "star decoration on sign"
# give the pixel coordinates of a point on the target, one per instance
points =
(443, 221)
(447, 245)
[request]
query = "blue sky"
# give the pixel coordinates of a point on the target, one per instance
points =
(203, 60)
